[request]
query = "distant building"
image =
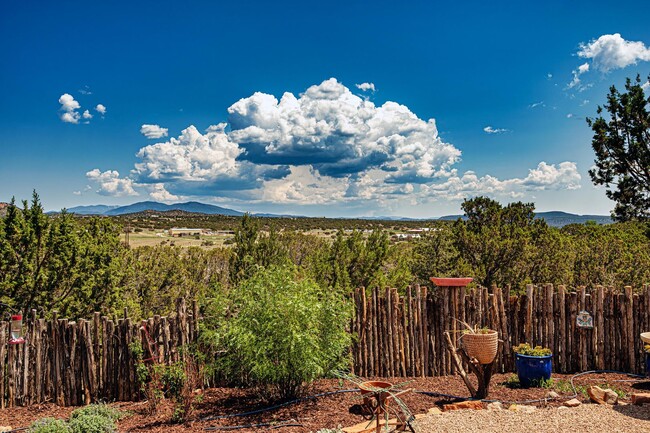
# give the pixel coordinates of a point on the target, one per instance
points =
(181, 231)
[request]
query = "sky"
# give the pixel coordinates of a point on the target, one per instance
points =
(337, 108)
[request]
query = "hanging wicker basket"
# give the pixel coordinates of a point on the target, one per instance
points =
(481, 346)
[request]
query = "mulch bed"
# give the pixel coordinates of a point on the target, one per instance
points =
(311, 415)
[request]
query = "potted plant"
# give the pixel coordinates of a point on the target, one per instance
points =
(480, 343)
(534, 364)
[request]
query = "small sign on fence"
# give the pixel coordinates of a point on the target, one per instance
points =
(584, 320)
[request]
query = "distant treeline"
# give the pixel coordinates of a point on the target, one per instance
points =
(78, 265)
(153, 220)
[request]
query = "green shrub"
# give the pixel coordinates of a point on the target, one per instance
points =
(103, 410)
(92, 423)
(285, 331)
(49, 425)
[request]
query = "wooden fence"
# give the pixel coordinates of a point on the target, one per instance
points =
(402, 335)
(73, 363)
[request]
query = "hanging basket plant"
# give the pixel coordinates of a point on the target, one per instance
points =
(481, 344)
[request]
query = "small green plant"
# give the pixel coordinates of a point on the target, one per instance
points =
(525, 349)
(49, 425)
(103, 410)
(512, 382)
(474, 329)
(92, 423)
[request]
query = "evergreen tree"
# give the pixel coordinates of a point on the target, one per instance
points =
(622, 147)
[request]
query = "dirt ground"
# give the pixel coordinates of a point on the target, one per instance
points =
(331, 411)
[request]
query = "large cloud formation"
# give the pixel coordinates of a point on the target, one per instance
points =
(325, 146)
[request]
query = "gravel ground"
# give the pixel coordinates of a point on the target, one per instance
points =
(588, 417)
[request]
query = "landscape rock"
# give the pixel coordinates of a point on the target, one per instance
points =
(574, 402)
(602, 396)
(470, 404)
(497, 405)
(5, 428)
(434, 411)
(522, 408)
(640, 398)
(552, 394)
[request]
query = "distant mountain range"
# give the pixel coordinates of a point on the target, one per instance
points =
(553, 218)
(190, 206)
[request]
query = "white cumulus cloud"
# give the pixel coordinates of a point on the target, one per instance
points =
(305, 185)
(101, 109)
(69, 107)
(613, 52)
(153, 131)
(158, 192)
(110, 183)
(339, 134)
(86, 115)
(544, 177)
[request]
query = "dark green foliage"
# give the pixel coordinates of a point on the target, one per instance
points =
(495, 238)
(622, 147)
(53, 263)
(356, 260)
(284, 331)
(254, 249)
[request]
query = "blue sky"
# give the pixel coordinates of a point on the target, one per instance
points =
(389, 108)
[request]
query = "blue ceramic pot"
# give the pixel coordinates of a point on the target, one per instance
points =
(532, 369)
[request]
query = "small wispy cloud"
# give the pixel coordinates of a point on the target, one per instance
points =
(537, 104)
(491, 130)
(85, 91)
(549, 76)
(364, 87)
(576, 82)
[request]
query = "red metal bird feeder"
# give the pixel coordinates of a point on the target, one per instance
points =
(16, 329)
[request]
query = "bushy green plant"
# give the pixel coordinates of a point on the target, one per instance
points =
(99, 409)
(285, 331)
(173, 378)
(92, 423)
(525, 349)
(49, 425)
